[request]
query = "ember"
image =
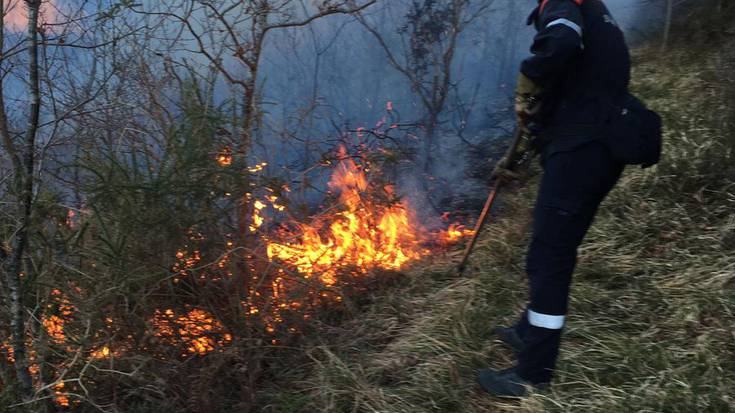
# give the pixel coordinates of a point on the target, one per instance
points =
(197, 331)
(224, 158)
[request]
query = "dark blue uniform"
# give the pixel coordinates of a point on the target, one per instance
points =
(582, 62)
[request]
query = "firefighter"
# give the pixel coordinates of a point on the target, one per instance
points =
(579, 65)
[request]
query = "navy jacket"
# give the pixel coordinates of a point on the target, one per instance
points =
(580, 58)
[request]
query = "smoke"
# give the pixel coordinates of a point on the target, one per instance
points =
(336, 77)
(320, 81)
(640, 19)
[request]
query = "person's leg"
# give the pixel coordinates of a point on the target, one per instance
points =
(572, 188)
(550, 265)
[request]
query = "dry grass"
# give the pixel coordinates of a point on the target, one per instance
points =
(652, 323)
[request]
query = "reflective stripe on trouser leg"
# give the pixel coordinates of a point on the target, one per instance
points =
(549, 270)
(550, 264)
(551, 322)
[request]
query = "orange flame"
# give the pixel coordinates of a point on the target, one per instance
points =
(101, 353)
(224, 158)
(455, 233)
(364, 236)
(258, 220)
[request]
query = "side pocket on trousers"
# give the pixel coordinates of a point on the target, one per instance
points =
(559, 223)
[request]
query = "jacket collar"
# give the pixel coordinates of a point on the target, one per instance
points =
(533, 16)
(535, 13)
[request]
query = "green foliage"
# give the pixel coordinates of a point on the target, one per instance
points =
(429, 24)
(144, 200)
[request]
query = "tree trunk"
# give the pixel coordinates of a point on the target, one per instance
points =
(427, 159)
(246, 209)
(246, 236)
(13, 268)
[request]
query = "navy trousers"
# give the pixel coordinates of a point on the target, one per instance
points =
(574, 183)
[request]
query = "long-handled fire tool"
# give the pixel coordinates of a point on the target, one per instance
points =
(514, 160)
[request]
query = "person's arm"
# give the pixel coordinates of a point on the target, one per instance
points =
(558, 40)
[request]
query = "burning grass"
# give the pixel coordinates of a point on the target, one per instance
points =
(368, 229)
(363, 236)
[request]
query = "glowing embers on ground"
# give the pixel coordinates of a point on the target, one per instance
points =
(364, 236)
(197, 330)
(59, 313)
(193, 332)
(54, 323)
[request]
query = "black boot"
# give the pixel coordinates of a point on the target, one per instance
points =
(509, 336)
(507, 383)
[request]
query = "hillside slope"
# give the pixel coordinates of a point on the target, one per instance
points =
(652, 321)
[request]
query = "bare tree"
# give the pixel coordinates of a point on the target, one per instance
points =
(231, 35)
(429, 41)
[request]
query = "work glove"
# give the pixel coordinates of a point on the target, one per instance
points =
(527, 104)
(506, 170)
(503, 171)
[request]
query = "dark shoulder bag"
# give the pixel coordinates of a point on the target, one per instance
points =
(633, 133)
